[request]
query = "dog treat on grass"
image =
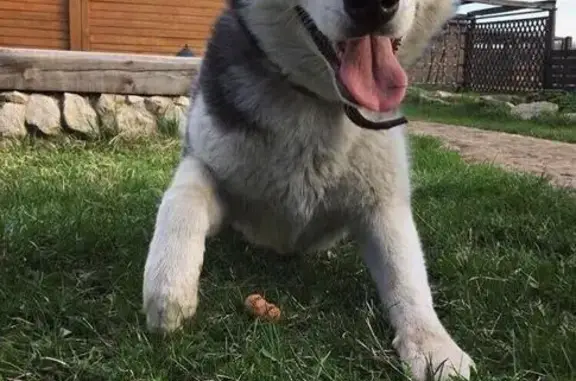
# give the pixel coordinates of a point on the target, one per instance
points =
(258, 306)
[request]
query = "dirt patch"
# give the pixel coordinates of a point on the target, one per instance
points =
(556, 160)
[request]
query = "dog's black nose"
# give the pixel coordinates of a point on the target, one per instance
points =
(369, 15)
(389, 4)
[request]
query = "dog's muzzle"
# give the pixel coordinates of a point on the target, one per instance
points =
(368, 16)
(327, 49)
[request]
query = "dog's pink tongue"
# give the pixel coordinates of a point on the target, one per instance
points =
(372, 74)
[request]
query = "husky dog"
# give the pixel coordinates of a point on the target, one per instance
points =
(295, 139)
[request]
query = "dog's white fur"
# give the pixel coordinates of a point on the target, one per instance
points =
(317, 183)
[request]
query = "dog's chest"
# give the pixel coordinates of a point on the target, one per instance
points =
(301, 185)
(296, 201)
(287, 231)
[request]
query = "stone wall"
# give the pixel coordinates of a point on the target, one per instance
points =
(87, 116)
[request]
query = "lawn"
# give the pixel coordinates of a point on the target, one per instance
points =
(75, 222)
(488, 117)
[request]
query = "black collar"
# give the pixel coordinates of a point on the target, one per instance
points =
(354, 115)
(351, 112)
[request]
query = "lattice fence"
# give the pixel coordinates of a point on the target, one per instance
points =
(512, 55)
(508, 55)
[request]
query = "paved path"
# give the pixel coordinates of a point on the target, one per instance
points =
(516, 152)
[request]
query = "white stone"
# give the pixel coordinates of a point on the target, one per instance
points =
(135, 100)
(430, 99)
(107, 107)
(527, 111)
(172, 110)
(489, 99)
(134, 121)
(182, 101)
(12, 120)
(174, 113)
(183, 123)
(183, 105)
(79, 115)
(43, 113)
(158, 105)
(14, 97)
(125, 116)
(443, 94)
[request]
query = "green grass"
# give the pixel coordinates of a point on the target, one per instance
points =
(489, 117)
(75, 223)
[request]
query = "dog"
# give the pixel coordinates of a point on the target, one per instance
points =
(295, 139)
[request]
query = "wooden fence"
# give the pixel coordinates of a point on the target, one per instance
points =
(132, 26)
(34, 24)
(443, 61)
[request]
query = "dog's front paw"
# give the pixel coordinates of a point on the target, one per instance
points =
(433, 356)
(167, 308)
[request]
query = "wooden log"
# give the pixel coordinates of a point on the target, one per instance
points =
(92, 72)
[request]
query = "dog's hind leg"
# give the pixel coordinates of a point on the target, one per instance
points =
(189, 212)
(393, 254)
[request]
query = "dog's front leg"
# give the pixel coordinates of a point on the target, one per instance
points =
(189, 212)
(393, 254)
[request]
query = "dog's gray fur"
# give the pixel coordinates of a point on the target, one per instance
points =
(270, 152)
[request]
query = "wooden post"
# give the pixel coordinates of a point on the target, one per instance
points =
(78, 24)
(567, 43)
(75, 24)
(459, 58)
(468, 47)
(85, 17)
(566, 49)
(548, 81)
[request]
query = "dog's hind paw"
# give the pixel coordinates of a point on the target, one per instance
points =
(431, 356)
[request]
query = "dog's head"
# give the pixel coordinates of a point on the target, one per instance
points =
(347, 49)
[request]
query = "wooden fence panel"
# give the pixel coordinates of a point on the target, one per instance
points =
(34, 24)
(150, 26)
(442, 62)
(125, 26)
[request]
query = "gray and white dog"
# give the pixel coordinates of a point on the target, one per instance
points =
(294, 139)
